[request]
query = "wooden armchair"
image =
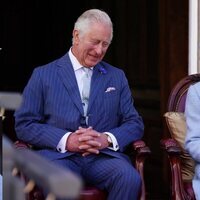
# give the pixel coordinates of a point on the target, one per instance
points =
(182, 165)
(138, 153)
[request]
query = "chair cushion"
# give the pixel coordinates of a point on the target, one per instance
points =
(177, 126)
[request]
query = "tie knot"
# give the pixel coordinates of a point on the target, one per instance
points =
(87, 70)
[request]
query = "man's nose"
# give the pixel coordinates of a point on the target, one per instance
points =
(99, 49)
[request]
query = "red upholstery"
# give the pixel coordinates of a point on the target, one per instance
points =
(92, 193)
(180, 190)
(139, 153)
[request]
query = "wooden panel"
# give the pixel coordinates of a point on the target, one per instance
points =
(173, 57)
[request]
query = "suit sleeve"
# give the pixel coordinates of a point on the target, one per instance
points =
(29, 118)
(192, 113)
(131, 127)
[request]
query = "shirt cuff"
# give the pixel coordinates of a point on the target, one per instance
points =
(115, 145)
(61, 147)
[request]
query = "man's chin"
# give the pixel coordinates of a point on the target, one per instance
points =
(93, 63)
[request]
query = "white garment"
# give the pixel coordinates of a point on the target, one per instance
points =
(192, 143)
(86, 81)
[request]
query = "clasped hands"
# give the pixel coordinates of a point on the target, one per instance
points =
(86, 141)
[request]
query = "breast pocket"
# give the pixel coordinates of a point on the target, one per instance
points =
(111, 94)
(111, 102)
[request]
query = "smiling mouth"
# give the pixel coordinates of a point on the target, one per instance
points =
(92, 57)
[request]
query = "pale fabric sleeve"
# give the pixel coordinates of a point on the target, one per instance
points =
(192, 114)
(62, 143)
(115, 146)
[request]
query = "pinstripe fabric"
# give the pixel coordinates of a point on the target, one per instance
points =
(52, 106)
(107, 173)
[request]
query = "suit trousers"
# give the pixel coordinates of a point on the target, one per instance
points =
(115, 175)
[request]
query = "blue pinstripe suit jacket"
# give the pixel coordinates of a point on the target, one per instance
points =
(52, 106)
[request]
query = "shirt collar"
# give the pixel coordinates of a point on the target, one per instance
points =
(75, 63)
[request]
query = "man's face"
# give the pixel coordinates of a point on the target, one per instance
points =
(91, 47)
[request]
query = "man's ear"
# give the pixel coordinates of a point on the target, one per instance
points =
(76, 36)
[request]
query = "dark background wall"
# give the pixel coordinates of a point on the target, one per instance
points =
(36, 32)
(150, 44)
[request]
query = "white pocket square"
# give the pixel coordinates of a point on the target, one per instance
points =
(109, 89)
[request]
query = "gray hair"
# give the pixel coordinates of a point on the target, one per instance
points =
(92, 16)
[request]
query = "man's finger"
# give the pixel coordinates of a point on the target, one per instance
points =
(85, 138)
(86, 154)
(93, 143)
(92, 150)
(82, 130)
(84, 147)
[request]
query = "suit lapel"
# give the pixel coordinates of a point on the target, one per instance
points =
(68, 78)
(67, 75)
(97, 85)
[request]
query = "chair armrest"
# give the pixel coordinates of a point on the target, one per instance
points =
(140, 147)
(173, 151)
(170, 146)
(142, 151)
(21, 145)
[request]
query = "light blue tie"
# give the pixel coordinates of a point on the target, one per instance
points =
(86, 88)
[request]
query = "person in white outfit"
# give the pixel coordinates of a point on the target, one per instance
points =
(192, 142)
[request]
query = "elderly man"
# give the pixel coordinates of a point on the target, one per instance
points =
(78, 111)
